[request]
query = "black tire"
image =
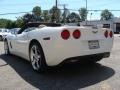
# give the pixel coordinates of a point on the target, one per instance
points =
(6, 47)
(37, 58)
(1, 39)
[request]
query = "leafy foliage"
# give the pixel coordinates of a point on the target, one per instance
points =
(5, 23)
(19, 22)
(73, 17)
(46, 16)
(106, 15)
(83, 14)
(36, 11)
(28, 18)
(55, 14)
(52, 15)
(65, 14)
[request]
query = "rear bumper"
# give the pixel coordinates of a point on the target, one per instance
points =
(103, 55)
(67, 55)
(59, 50)
(57, 53)
(86, 58)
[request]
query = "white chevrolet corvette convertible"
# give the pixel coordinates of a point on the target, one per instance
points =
(50, 44)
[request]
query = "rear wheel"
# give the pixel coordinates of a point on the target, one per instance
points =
(37, 57)
(6, 48)
(1, 38)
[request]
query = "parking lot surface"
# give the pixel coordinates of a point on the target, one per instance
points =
(17, 74)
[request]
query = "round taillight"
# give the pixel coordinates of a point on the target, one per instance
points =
(76, 34)
(65, 34)
(111, 34)
(106, 34)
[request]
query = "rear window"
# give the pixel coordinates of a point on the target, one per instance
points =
(106, 25)
(37, 24)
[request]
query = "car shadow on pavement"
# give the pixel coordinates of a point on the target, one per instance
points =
(68, 77)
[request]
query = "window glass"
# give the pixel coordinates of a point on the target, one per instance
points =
(12, 32)
(106, 25)
(0, 30)
(29, 29)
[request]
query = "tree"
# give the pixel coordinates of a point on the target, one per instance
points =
(106, 15)
(55, 14)
(73, 17)
(6, 23)
(45, 15)
(11, 24)
(19, 22)
(3, 23)
(65, 15)
(83, 14)
(28, 18)
(37, 13)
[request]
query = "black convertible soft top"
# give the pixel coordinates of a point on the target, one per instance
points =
(37, 24)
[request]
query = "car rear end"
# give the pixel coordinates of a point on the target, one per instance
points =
(71, 42)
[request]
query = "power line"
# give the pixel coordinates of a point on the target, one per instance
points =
(95, 10)
(13, 13)
(103, 10)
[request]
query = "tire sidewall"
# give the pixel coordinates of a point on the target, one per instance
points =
(42, 61)
(7, 52)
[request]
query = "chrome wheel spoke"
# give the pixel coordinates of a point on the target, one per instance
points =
(37, 64)
(36, 53)
(34, 63)
(35, 57)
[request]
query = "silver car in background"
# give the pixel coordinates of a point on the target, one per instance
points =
(3, 33)
(14, 30)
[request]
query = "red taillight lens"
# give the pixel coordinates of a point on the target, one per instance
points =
(76, 34)
(65, 34)
(111, 34)
(106, 34)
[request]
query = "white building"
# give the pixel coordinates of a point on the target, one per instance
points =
(113, 24)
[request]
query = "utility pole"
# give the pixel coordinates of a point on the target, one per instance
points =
(64, 16)
(86, 10)
(91, 17)
(56, 3)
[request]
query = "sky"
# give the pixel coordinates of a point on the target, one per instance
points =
(16, 6)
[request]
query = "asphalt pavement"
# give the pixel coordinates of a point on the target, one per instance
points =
(17, 74)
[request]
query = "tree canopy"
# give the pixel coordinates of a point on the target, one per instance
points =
(55, 14)
(5, 23)
(106, 15)
(52, 15)
(65, 14)
(73, 17)
(83, 14)
(36, 11)
(46, 16)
